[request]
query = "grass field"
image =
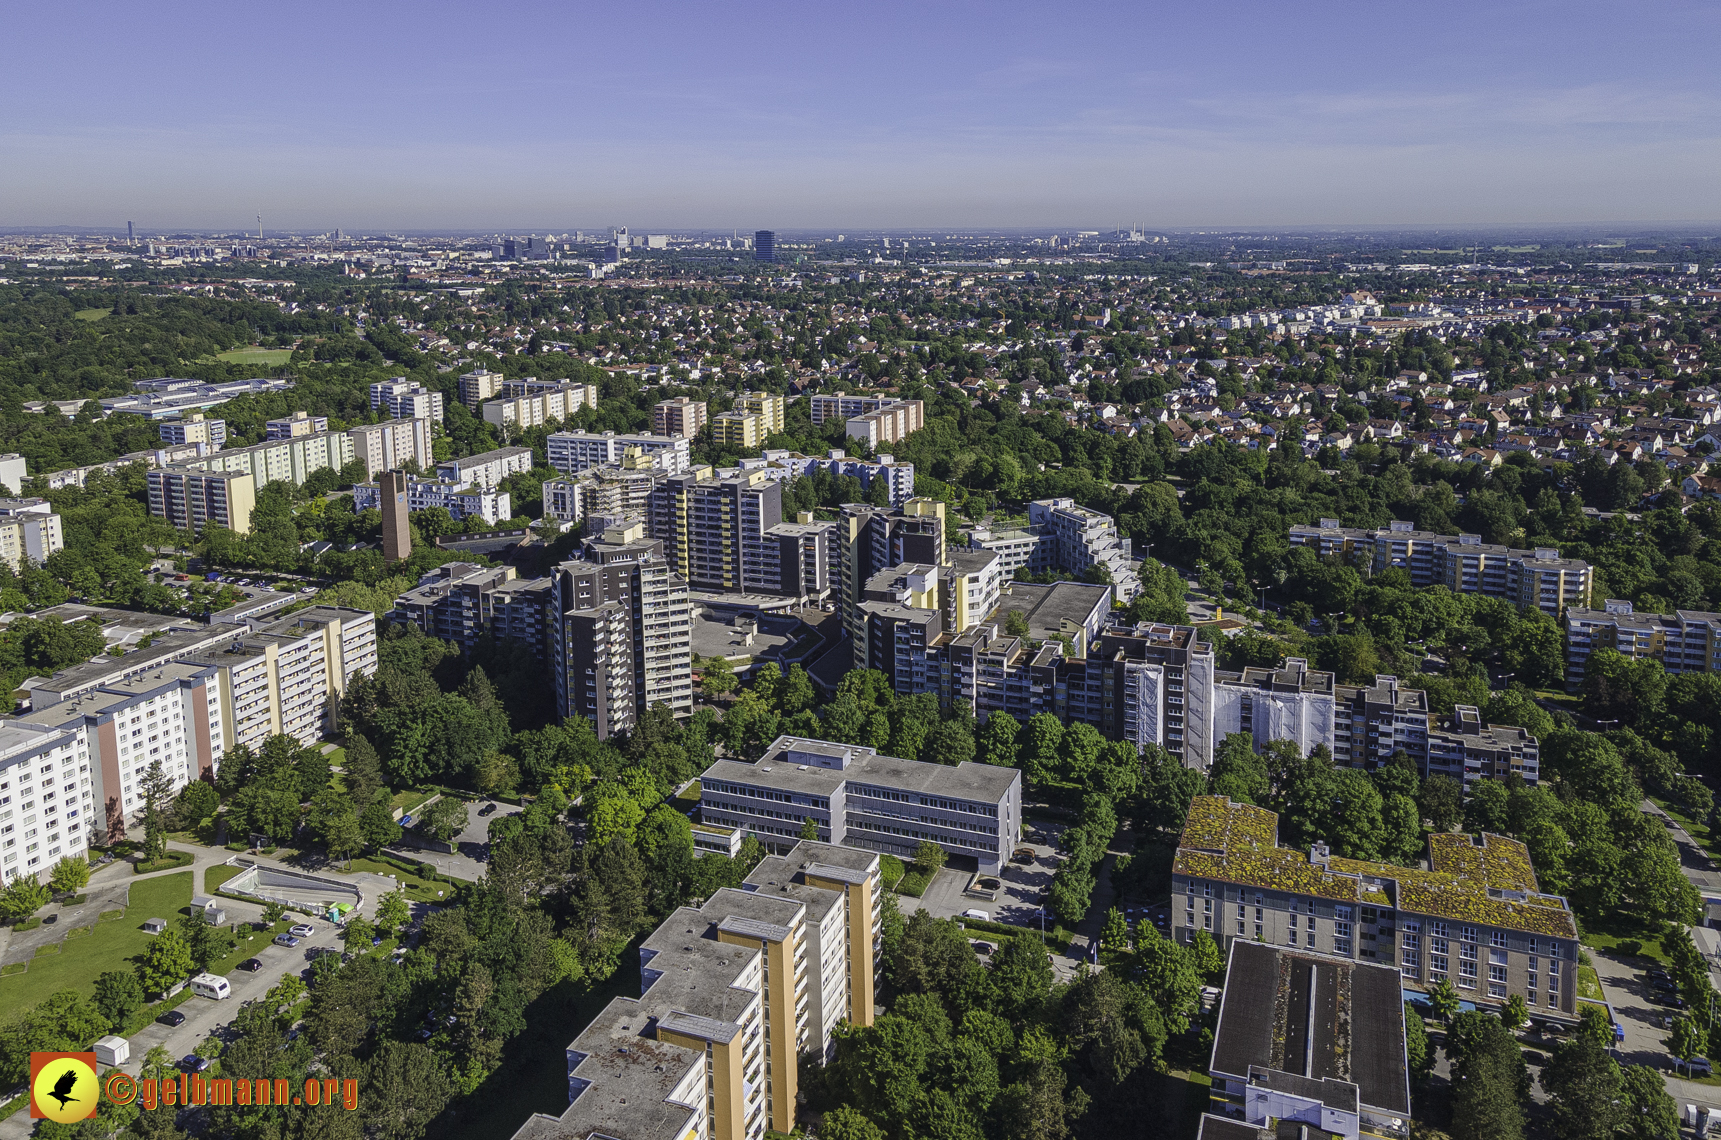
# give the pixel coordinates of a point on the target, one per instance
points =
(91, 314)
(417, 889)
(109, 948)
(270, 356)
(214, 877)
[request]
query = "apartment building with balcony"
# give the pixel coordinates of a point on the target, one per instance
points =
(1063, 536)
(461, 603)
(392, 444)
(29, 532)
(176, 715)
(477, 386)
(194, 429)
(620, 633)
(460, 500)
(1476, 917)
(1463, 564)
(49, 796)
(572, 452)
(1685, 641)
(191, 499)
(296, 425)
(734, 994)
(532, 403)
(487, 468)
(406, 400)
(287, 675)
(681, 416)
(889, 424)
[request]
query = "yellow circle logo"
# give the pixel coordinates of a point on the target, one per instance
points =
(66, 1090)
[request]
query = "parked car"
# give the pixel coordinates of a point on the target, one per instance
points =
(286, 940)
(302, 930)
(50, 919)
(976, 915)
(172, 1017)
(195, 1064)
(1671, 999)
(487, 809)
(1023, 855)
(1698, 1067)
(406, 821)
(251, 965)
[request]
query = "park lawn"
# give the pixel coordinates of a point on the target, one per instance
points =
(214, 877)
(92, 314)
(410, 800)
(1589, 984)
(417, 890)
(1618, 935)
(111, 947)
(338, 758)
(255, 355)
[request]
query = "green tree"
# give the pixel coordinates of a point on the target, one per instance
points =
(1419, 1052)
(846, 1123)
(1169, 973)
(23, 897)
(1585, 1086)
(1441, 801)
(998, 740)
(1114, 935)
(445, 818)
(810, 829)
(196, 802)
(377, 823)
(156, 789)
(929, 857)
(392, 910)
(1443, 1000)
(118, 996)
(1204, 951)
(343, 836)
(1687, 1039)
(1515, 1014)
(166, 963)
(1490, 1082)
(1649, 1113)
(716, 677)
(1593, 1023)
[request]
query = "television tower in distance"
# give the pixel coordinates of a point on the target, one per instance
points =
(259, 227)
(129, 238)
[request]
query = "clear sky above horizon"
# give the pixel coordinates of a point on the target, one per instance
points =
(677, 115)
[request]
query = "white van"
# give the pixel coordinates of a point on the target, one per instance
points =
(212, 986)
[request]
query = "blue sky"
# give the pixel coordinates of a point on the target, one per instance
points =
(534, 116)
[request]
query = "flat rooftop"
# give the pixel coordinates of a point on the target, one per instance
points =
(981, 783)
(1047, 607)
(1313, 1025)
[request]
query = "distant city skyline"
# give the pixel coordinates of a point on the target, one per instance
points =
(526, 116)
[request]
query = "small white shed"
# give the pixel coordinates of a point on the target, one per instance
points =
(112, 1051)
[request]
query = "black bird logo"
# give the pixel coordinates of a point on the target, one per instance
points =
(64, 1086)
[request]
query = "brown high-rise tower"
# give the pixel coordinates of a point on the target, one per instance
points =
(396, 534)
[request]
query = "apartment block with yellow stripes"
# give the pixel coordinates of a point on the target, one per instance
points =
(733, 994)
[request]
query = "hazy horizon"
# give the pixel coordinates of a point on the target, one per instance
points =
(960, 117)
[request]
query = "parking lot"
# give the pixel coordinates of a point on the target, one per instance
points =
(471, 845)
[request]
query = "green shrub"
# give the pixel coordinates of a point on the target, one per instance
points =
(27, 924)
(890, 871)
(237, 847)
(914, 884)
(170, 860)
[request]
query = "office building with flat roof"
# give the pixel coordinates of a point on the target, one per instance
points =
(487, 468)
(764, 246)
(859, 798)
(888, 424)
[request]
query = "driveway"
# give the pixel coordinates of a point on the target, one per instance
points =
(1629, 993)
(1693, 860)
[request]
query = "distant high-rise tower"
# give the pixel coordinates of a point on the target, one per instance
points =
(396, 533)
(765, 246)
(129, 239)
